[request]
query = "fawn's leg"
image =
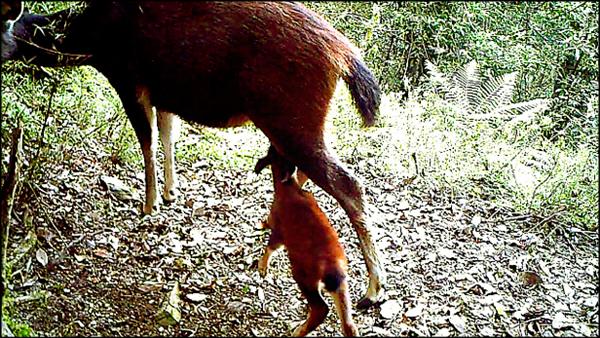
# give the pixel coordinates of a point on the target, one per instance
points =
(315, 160)
(317, 311)
(343, 305)
(275, 242)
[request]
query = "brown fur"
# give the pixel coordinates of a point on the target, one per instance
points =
(221, 64)
(313, 247)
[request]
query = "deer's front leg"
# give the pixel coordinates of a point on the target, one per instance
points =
(168, 126)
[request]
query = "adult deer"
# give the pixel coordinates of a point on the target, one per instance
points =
(219, 64)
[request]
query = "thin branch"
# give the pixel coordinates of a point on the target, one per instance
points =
(41, 138)
(540, 184)
(79, 57)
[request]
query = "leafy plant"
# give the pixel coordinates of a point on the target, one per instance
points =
(484, 98)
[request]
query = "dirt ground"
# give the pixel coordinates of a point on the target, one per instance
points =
(456, 266)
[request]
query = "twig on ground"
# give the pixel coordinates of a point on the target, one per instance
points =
(44, 212)
(514, 218)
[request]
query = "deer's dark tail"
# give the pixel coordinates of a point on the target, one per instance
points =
(364, 89)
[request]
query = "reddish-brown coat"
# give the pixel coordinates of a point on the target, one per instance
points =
(316, 256)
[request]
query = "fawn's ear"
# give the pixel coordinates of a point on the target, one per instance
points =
(289, 174)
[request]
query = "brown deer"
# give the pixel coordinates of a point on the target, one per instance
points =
(316, 256)
(220, 64)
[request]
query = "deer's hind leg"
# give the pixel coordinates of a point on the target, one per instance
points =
(305, 147)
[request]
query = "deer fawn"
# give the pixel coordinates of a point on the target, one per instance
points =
(316, 256)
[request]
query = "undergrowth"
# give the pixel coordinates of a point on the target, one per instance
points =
(512, 164)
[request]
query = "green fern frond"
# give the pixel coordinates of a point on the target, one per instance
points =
(435, 75)
(523, 108)
(484, 98)
(498, 91)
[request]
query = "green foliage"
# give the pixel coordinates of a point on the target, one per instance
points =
(18, 328)
(552, 45)
(510, 164)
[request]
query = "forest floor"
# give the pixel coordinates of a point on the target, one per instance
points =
(456, 266)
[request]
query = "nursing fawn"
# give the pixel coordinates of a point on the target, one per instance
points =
(316, 256)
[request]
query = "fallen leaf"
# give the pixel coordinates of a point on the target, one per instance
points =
(196, 297)
(544, 268)
(113, 241)
(591, 302)
(44, 233)
(584, 330)
(117, 188)
(458, 323)
(41, 256)
(169, 313)
(560, 321)
(403, 205)
(491, 299)
(530, 278)
(382, 331)
(196, 235)
(102, 253)
(568, 290)
(415, 311)
(500, 309)
(217, 234)
(149, 286)
(447, 253)
(443, 332)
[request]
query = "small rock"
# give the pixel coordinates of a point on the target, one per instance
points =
(390, 308)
